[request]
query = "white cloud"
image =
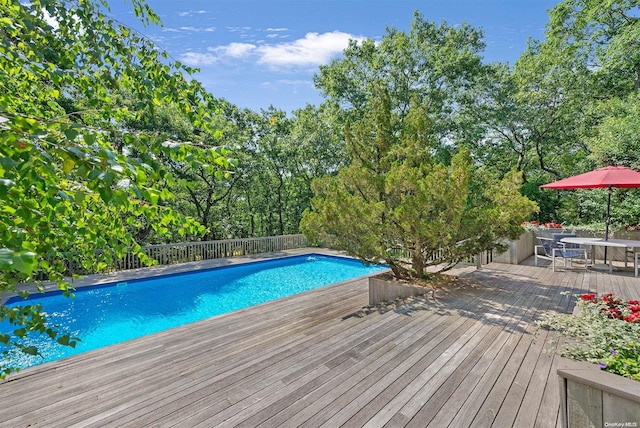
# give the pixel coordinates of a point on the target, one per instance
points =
(238, 29)
(313, 49)
(277, 30)
(219, 53)
(291, 82)
(235, 50)
(198, 30)
(191, 12)
(197, 59)
(277, 36)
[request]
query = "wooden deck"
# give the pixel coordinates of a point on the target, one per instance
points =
(470, 357)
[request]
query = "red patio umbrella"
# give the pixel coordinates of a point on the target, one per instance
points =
(607, 177)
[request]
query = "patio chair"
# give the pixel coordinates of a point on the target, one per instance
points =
(552, 248)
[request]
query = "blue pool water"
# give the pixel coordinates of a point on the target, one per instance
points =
(102, 315)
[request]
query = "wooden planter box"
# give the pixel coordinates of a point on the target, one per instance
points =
(590, 397)
(517, 251)
(382, 289)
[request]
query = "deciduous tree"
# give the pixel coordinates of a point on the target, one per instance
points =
(72, 180)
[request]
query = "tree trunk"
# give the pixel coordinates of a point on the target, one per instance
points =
(417, 263)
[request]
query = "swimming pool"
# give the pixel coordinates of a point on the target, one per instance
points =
(106, 314)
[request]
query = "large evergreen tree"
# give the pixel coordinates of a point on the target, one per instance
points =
(395, 197)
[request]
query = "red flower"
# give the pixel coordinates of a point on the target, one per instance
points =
(588, 297)
(634, 302)
(633, 318)
(614, 313)
(634, 308)
(610, 299)
(552, 225)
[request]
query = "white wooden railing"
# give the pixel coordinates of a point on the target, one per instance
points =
(167, 254)
(485, 257)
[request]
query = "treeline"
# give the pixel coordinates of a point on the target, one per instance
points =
(105, 123)
(568, 105)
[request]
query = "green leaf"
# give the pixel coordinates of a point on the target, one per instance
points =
(67, 165)
(89, 137)
(30, 350)
(71, 133)
(79, 197)
(24, 262)
(7, 163)
(6, 257)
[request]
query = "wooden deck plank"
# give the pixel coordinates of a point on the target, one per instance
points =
(345, 406)
(526, 390)
(351, 403)
(470, 358)
(443, 415)
(321, 360)
(412, 400)
(491, 388)
(365, 413)
(402, 340)
(442, 395)
(504, 402)
(447, 399)
(323, 389)
(413, 382)
(309, 402)
(546, 416)
(530, 405)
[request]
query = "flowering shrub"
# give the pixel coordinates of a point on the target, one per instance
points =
(614, 307)
(534, 224)
(552, 225)
(606, 331)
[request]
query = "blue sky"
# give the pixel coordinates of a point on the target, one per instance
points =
(264, 52)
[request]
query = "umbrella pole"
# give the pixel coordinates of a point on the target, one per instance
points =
(606, 230)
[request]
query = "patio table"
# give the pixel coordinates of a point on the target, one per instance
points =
(614, 243)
